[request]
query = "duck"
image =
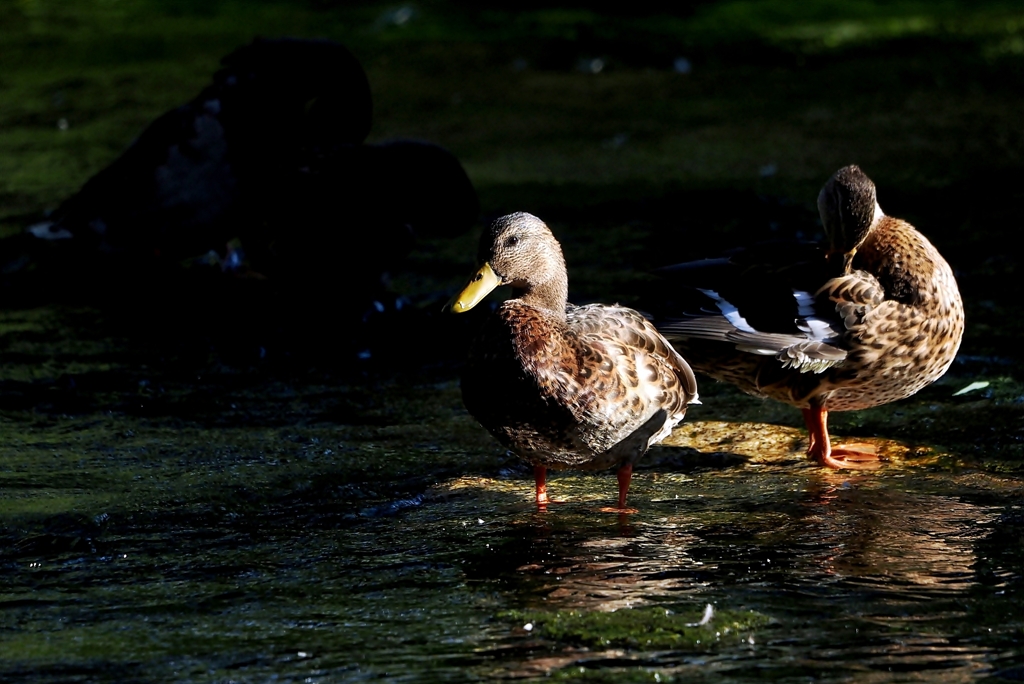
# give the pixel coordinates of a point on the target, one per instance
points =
(562, 386)
(202, 171)
(265, 175)
(869, 318)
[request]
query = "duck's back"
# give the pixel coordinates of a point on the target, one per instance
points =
(903, 314)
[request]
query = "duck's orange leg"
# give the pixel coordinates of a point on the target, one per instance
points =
(624, 475)
(819, 448)
(540, 474)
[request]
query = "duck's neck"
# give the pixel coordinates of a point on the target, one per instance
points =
(550, 295)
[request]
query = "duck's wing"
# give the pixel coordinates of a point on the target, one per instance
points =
(774, 299)
(628, 371)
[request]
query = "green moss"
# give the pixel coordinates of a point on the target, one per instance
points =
(645, 629)
(614, 675)
(106, 69)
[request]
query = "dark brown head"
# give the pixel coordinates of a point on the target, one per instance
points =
(849, 211)
(518, 250)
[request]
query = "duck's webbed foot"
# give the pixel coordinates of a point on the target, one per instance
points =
(853, 457)
(845, 457)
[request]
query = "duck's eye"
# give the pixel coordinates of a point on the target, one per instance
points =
(512, 241)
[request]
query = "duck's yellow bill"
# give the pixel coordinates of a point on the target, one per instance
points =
(479, 287)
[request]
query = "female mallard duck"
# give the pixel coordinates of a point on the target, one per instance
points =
(563, 386)
(873, 319)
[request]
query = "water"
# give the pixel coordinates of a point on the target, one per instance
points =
(211, 521)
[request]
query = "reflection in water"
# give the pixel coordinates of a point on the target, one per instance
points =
(614, 573)
(897, 542)
(863, 574)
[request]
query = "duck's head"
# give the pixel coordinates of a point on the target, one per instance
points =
(517, 250)
(849, 211)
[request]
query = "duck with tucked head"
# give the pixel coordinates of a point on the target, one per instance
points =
(871, 319)
(563, 386)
